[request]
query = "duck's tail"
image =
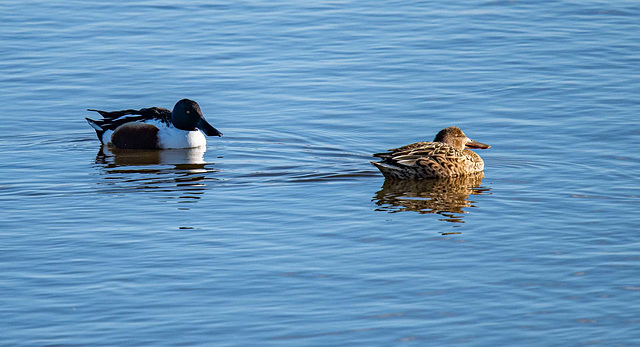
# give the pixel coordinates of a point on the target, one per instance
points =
(96, 127)
(389, 171)
(399, 172)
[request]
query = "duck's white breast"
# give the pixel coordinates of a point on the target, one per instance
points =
(170, 137)
(175, 138)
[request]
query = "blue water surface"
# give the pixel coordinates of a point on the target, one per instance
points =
(281, 233)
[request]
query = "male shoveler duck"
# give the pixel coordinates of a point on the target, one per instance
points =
(154, 127)
(446, 156)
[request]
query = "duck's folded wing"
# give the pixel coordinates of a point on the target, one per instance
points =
(390, 153)
(113, 119)
(423, 154)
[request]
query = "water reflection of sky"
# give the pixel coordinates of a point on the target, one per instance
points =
(304, 93)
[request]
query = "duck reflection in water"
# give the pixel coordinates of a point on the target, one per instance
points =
(167, 171)
(445, 196)
(184, 157)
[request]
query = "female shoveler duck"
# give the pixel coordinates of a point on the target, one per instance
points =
(155, 127)
(446, 156)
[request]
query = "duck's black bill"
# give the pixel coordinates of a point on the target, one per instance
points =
(207, 129)
(476, 144)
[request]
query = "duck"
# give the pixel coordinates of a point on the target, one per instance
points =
(154, 127)
(446, 156)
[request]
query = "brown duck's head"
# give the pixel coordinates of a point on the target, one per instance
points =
(453, 136)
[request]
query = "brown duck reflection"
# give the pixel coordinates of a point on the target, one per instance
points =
(444, 196)
(172, 173)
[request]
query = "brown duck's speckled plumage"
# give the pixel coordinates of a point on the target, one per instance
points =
(446, 156)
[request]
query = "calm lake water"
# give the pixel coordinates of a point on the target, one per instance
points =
(282, 233)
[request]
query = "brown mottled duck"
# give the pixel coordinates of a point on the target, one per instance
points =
(446, 156)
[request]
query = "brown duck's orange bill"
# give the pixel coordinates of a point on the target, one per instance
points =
(476, 144)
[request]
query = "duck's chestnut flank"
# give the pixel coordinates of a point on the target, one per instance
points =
(136, 136)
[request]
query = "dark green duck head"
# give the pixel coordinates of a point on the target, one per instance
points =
(186, 115)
